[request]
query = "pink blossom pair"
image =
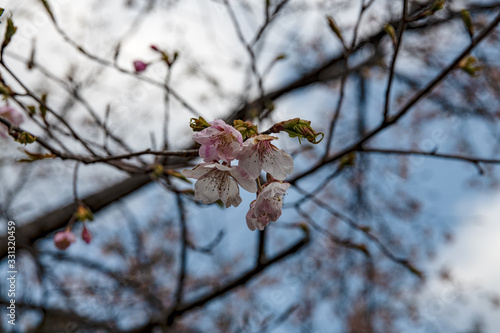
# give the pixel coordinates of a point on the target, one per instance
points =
(63, 239)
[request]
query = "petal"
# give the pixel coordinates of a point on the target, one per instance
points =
(250, 162)
(244, 179)
(208, 153)
(278, 163)
(250, 218)
(237, 135)
(230, 194)
(265, 206)
(228, 151)
(262, 222)
(197, 172)
(224, 168)
(244, 149)
(222, 126)
(218, 123)
(264, 137)
(206, 136)
(206, 188)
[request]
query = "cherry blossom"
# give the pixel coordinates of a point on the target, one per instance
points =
(12, 115)
(217, 181)
(63, 239)
(258, 153)
(220, 141)
(267, 207)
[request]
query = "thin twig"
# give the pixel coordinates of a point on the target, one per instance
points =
(75, 182)
(404, 110)
(261, 247)
(399, 41)
(365, 231)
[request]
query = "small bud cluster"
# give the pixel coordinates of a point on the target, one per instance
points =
(63, 239)
(222, 144)
(140, 66)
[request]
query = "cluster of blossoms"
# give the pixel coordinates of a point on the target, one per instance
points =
(217, 179)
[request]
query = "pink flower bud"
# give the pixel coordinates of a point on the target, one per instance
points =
(140, 66)
(63, 239)
(12, 115)
(154, 47)
(86, 235)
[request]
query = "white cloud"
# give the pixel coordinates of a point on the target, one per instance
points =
(472, 260)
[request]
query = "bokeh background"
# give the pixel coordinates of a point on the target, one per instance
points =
(389, 226)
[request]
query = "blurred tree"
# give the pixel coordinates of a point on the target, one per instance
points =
(106, 90)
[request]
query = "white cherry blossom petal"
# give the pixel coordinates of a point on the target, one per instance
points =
(196, 173)
(244, 179)
(199, 170)
(230, 194)
(250, 160)
(278, 163)
(206, 188)
(223, 167)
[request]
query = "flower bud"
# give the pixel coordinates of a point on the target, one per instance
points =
(389, 29)
(83, 213)
(438, 5)
(246, 128)
(24, 138)
(63, 239)
(298, 128)
(466, 18)
(12, 115)
(86, 235)
(157, 171)
(469, 65)
(335, 28)
(199, 124)
(140, 66)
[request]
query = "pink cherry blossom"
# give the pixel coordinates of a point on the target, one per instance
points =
(258, 153)
(218, 142)
(217, 181)
(63, 239)
(140, 66)
(12, 115)
(267, 207)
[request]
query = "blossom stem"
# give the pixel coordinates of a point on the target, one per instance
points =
(70, 223)
(259, 187)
